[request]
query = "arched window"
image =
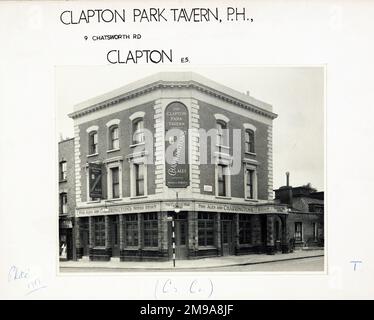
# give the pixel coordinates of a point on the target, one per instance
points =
(138, 130)
(249, 141)
(113, 137)
(221, 133)
(92, 142)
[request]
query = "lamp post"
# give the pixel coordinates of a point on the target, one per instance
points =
(176, 211)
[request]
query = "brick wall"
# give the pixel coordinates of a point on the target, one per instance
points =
(207, 171)
(307, 220)
(125, 140)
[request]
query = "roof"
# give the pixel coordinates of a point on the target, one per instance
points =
(302, 203)
(173, 79)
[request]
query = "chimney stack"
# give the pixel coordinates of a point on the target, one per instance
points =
(287, 179)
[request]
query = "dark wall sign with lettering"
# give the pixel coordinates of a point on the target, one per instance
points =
(176, 135)
(95, 173)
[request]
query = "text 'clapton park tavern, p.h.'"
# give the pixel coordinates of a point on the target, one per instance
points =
(172, 146)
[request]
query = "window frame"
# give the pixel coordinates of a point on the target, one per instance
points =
(109, 166)
(92, 146)
(114, 183)
(99, 231)
(138, 179)
(63, 173)
(150, 225)
(131, 224)
(133, 178)
(113, 139)
(250, 144)
(245, 224)
(221, 178)
(298, 235)
(63, 205)
(136, 132)
(203, 219)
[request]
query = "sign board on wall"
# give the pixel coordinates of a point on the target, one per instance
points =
(95, 174)
(176, 145)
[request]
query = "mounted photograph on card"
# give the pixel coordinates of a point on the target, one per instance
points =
(216, 168)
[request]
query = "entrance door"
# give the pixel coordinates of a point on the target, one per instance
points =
(181, 235)
(277, 234)
(181, 239)
(227, 234)
(115, 235)
(84, 237)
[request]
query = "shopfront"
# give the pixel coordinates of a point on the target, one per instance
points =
(131, 235)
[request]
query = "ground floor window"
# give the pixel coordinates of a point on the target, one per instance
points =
(245, 235)
(99, 226)
(150, 229)
(206, 229)
(298, 231)
(131, 230)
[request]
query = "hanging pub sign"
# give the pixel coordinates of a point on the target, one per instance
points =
(176, 145)
(95, 174)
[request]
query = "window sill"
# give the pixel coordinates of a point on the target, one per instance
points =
(251, 153)
(150, 248)
(99, 247)
(250, 200)
(92, 155)
(110, 200)
(223, 197)
(222, 146)
(93, 201)
(113, 150)
(63, 215)
(132, 248)
(138, 197)
(137, 144)
(63, 180)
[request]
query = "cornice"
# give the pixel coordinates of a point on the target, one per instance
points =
(162, 84)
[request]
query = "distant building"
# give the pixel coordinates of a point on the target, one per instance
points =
(305, 223)
(66, 188)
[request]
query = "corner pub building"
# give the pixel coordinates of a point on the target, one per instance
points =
(126, 195)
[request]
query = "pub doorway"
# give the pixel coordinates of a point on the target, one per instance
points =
(181, 235)
(114, 232)
(227, 234)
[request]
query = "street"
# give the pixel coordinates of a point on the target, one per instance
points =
(304, 264)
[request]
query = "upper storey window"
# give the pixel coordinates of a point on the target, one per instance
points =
(114, 137)
(138, 131)
(92, 140)
(249, 138)
(113, 134)
(222, 140)
(221, 133)
(63, 175)
(249, 141)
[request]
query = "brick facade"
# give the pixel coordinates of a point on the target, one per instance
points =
(208, 225)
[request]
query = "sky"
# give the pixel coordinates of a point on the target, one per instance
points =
(296, 94)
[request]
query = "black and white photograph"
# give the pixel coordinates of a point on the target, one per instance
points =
(199, 151)
(178, 171)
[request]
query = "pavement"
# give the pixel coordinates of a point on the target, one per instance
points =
(204, 263)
